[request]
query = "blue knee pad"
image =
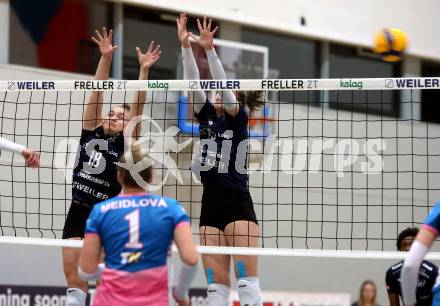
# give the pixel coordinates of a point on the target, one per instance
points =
(210, 276)
(241, 269)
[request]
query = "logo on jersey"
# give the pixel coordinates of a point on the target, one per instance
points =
(163, 143)
(130, 257)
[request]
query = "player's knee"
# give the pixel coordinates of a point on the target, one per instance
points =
(218, 295)
(249, 291)
(217, 276)
(76, 297)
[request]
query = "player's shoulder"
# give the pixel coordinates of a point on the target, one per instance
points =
(174, 205)
(172, 202)
(435, 210)
(429, 266)
(100, 207)
(395, 268)
(97, 132)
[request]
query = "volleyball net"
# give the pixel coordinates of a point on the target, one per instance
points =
(334, 164)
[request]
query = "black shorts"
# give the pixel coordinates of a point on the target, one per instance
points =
(221, 206)
(75, 224)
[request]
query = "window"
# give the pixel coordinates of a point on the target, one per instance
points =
(431, 97)
(346, 63)
(56, 34)
(290, 58)
(140, 28)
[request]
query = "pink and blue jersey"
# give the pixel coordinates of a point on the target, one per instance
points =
(136, 232)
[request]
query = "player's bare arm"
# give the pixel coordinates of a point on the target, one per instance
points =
(90, 256)
(93, 112)
(146, 61)
(206, 40)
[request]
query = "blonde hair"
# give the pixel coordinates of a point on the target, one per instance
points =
(361, 301)
(135, 155)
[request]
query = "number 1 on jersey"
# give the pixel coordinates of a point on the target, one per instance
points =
(133, 224)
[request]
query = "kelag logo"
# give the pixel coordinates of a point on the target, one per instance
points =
(351, 84)
(158, 85)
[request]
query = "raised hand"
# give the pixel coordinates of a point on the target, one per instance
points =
(150, 57)
(32, 158)
(206, 38)
(104, 42)
(182, 32)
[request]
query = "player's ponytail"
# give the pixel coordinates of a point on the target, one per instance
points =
(252, 98)
(135, 160)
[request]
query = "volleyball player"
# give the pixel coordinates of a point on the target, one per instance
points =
(102, 143)
(136, 230)
(420, 247)
(227, 214)
(32, 158)
(427, 274)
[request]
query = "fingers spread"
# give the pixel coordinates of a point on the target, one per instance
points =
(138, 52)
(98, 35)
(150, 48)
(156, 50)
(95, 40)
(214, 31)
(199, 25)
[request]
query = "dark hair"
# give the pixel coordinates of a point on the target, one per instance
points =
(138, 154)
(252, 98)
(126, 107)
(408, 232)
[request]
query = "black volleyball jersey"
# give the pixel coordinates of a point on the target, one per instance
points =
(94, 177)
(226, 156)
(427, 275)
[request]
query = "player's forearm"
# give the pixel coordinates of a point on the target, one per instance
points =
(103, 70)
(410, 271)
(186, 277)
(11, 146)
(139, 99)
(85, 276)
(191, 72)
(93, 112)
(218, 73)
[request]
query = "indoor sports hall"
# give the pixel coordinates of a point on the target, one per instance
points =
(341, 155)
